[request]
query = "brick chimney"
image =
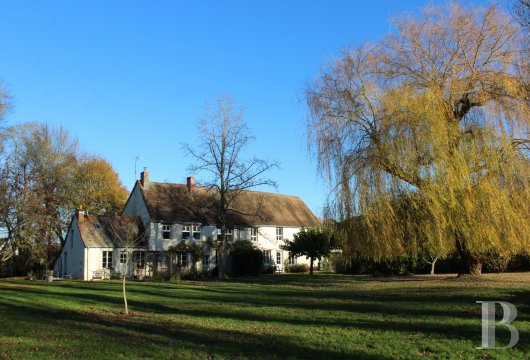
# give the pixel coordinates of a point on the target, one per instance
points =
(190, 183)
(80, 213)
(144, 177)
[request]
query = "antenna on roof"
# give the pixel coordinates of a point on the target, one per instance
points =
(136, 159)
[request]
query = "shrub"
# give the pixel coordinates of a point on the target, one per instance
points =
(298, 268)
(494, 263)
(214, 273)
(520, 262)
(269, 269)
(246, 260)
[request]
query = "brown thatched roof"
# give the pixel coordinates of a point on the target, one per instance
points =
(173, 203)
(112, 231)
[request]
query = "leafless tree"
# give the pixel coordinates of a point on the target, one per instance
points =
(129, 235)
(521, 11)
(223, 136)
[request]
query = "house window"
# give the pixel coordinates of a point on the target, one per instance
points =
(196, 232)
(123, 257)
(229, 234)
(279, 234)
(278, 258)
(292, 259)
(206, 260)
(253, 234)
(166, 232)
(140, 259)
(267, 257)
(182, 258)
(107, 260)
(186, 232)
(71, 239)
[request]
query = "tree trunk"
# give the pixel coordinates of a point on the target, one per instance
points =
(433, 263)
(470, 264)
(221, 264)
(311, 266)
(125, 297)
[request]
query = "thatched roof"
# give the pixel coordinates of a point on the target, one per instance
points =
(112, 231)
(173, 203)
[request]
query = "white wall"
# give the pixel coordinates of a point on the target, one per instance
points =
(266, 239)
(135, 206)
(73, 252)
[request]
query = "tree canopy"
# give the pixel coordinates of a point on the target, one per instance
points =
(424, 137)
(99, 189)
(313, 243)
(43, 180)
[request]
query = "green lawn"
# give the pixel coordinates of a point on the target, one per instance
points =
(271, 317)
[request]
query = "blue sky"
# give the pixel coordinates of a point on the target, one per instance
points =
(132, 78)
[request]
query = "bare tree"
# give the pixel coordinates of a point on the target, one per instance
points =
(223, 137)
(521, 11)
(129, 236)
(437, 113)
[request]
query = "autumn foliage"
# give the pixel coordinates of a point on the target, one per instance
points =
(424, 137)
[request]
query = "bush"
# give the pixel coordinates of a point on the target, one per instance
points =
(298, 268)
(246, 260)
(214, 273)
(520, 262)
(494, 263)
(269, 269)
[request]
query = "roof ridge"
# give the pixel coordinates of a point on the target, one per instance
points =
(246, 190)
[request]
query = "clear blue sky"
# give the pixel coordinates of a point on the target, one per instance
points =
(132, 77)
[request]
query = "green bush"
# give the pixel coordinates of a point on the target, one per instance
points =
(246, 260)
(298, 268)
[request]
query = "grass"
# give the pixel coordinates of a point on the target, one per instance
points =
(271, 317)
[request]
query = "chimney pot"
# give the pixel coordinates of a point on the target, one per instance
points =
(190, 183)
(144, 177)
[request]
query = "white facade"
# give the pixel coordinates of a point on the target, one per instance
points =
(266, 237)
(89, 262)
(71, 260)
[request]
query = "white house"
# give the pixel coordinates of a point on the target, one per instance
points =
(96, 244)
(173, 213)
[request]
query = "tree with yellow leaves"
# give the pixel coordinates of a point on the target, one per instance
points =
(99, 189)
(424, 136)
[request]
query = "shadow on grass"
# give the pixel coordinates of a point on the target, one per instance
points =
(160, 336)
(436, 313)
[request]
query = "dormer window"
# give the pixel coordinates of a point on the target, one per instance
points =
(166, 232)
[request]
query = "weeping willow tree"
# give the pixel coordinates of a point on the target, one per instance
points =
(423, 136)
